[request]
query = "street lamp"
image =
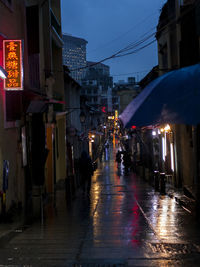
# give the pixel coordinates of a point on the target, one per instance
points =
(82, 117)
(3, 73)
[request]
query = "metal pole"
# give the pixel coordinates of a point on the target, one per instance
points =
(162, 183)
(156, 180)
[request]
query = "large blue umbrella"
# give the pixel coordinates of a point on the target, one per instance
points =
(172, 98)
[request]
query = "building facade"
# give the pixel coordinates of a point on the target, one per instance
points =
(12, 185)
(32, 118)
(45, 62)
(74, 56)
(178, 46)
(73, 130)
(126, 91)
(97, 86)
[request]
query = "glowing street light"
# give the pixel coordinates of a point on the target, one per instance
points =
(154, 133)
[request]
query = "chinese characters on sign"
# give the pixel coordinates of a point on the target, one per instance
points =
(13, 64)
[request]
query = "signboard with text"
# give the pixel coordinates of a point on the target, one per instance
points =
(12, 52)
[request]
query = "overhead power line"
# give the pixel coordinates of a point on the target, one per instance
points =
(124, 74)
(135, 46)
(123, 34)
(137, 50)
(125, 49)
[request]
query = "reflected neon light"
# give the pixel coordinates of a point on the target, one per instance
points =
(163, 148)
(172, 156)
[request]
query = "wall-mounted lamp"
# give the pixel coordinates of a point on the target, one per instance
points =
(166, 129)
(3, 73)
(154, 133)
(82, 117)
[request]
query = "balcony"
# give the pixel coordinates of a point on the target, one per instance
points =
(56, 31)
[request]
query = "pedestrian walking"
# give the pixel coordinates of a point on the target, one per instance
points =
(118, 157)
(101, 154)
(126, 161)
(107, 144)
(86, 171)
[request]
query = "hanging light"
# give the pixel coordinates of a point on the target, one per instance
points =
(167, 128)
(82, 117)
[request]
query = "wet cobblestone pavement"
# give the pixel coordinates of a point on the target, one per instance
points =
(123, 223)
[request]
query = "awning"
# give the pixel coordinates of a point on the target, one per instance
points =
(172, 98)
(37, 107)
(54, 101)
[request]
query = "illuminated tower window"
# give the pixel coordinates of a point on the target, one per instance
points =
(74, 55)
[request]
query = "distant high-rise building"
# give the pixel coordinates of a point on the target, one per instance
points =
(74, 56)
(124, 92)
(96, 86)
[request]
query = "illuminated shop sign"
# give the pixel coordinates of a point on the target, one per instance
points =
(116, 114)
(13, 64)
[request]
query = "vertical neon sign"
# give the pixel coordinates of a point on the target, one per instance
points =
(12, 52)
(116, 114)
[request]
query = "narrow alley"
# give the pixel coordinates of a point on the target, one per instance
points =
(124, 222)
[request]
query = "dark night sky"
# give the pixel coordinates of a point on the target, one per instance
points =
(110, 25)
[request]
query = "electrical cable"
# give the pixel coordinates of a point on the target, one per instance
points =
(140, 41)
(127, 48)
(135, 44)
(123, 74)
(123, 34)
(137, 50)
(117, 54)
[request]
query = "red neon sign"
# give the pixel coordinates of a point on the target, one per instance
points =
(12, 52)
(103, 109)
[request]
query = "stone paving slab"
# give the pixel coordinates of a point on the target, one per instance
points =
(133, 227)
(192, 262)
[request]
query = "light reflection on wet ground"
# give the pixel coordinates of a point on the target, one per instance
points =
(124, 219)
